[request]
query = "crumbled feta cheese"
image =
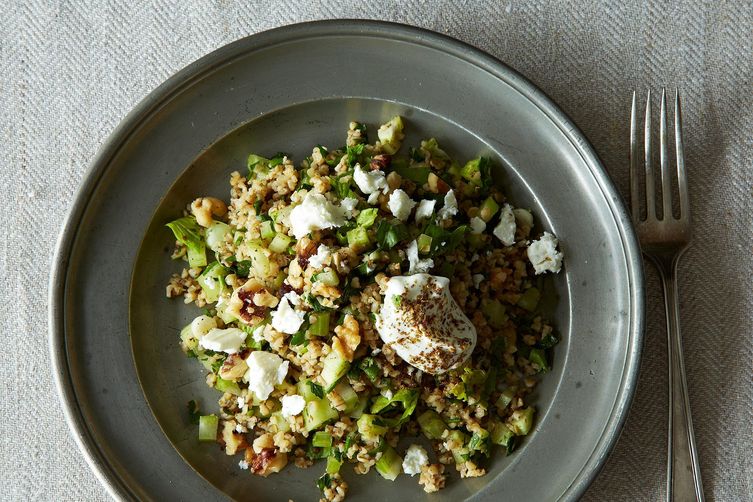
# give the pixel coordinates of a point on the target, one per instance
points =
(543, 254)
(415, 264)
(477, 225)
(376, 351)
(258, 334)
(286, 318)
(227, 340)
(241, 401)
(450, 207)
(202, 325)
(400, 204)
(425, 209)
(477, 280)
(373, 198)
(370, 182)
(315, 213)
(348, 204)
(505, 229)
(475, 257)
(387, 393)
(292, 405)
(322, 253)
(265, 370)
(240, 428)
(243, 465)
(415, 458)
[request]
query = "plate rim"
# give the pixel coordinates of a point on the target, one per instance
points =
(109, 477)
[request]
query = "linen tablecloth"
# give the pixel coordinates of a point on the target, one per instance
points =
(70, 71)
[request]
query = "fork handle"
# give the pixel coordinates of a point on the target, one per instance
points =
(683, 471)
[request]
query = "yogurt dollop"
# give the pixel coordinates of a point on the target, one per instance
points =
(420, 319)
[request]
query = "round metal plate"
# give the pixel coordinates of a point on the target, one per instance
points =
(288, 89)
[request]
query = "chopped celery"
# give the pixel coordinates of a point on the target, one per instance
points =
(347, 395)
(424, 244)
(538, 357)
(333, 368)
(501, 434)
(215, 235)
(328, 278)
(188, 233)
(431, 424)
(320, 327)
(333, 465)
(521, 421)
(280, 243)
(529, 299)
(488, 209)
(417, 174)
(267, 230)
(317, 413)
(495, 313)
(322, 439)
(389, 464)
(358, 239)
(359, 407)
(208, 427)
(505, 399)
(391, 135)
(371, 426)
(212, 281)
(477, 172)
(223, 385)
(367, 217)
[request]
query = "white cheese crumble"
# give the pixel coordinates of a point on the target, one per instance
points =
(258, 334)
(241, 401)
(315, 213)
(370, 182)
(348, 205)
(505, 229)
(292, 405)
(425, 209)
(450, 207)
(227, 340)
(400, 204)
(415, 264)
(543, 254)
(286, 318)
(202, 325)
(477, 225)
(415, 458)
(322, 253)
(265, 370)
(243, 465)
(477, 280)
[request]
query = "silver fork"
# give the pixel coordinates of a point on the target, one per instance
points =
(664, 241)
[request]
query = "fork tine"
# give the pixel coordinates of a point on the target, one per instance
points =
(682, 180)
(650, 190)
(635, 204)
(666, 183)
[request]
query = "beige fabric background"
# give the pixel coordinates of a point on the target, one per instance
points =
(70, 71)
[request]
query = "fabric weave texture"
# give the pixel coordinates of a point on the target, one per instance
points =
(72, 70)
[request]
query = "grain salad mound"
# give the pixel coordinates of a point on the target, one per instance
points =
(362, 297)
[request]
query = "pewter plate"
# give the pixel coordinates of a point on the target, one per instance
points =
(121, 377)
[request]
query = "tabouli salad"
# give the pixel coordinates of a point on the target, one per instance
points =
(362, 297)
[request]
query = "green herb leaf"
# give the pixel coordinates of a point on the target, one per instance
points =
(370, 368)
(405, 398)
(189, 233)
(324, 482)
(353, 152)
(316, 389)
(389, 235)
(243, 268)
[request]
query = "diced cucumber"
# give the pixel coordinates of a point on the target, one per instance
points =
(431, 424)
(259, 260)
(501, 434)
(334, 367)
(280, 243)
(504, 399)
(333, 465)
(322, 439)
(188, 341)
(279, 421)
(521, 421)
(529, 299)
(389, 464)
(347, 394)
(371, 426)
(317, 413)
(471, 171)
(359, 407)
(223, 385)
(488, 209)
(358, 239)
(328, 278)
(479, 442)
(367, 217)
(495, 313)
(212, 281)
(424, 243)
(215, 235)
(304, 390)
(391, 135)
(461, 453)
(320, 327)
(208, 427)
(267, 230)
